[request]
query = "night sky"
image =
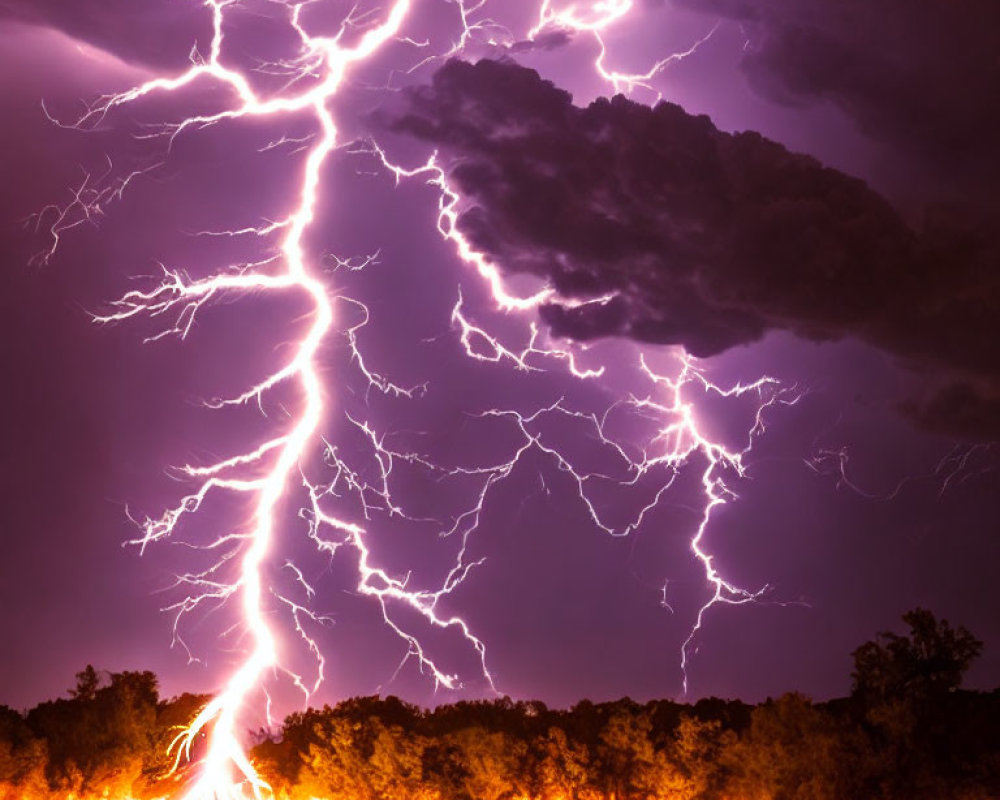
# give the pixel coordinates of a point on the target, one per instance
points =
(816, 203)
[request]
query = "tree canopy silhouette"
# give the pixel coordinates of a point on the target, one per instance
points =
(928, 662)
(906, 733)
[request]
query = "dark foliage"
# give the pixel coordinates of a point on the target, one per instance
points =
(907, 731)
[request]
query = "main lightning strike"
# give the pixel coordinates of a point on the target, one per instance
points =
(226, 769)
(265, 473)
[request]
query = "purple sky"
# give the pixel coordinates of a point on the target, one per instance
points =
(92, 417)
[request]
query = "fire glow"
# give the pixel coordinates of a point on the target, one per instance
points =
(265, 472)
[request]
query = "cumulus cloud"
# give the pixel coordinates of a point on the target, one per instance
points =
(708, 239)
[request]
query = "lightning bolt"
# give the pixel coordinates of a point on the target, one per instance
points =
(669, 448)
(594, 19)
(226, 771)
(266, 473)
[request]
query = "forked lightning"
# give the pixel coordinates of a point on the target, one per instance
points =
(265, 473)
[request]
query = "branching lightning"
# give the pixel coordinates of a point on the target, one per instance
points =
(594, 18)
(266, 472)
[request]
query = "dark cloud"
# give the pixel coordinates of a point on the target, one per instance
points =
(707, 239)
(958, 408)
(922, 75)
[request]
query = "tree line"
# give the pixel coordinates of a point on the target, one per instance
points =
(907, 730)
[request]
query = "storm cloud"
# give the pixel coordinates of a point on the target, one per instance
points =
(920, 75)
(707, 239)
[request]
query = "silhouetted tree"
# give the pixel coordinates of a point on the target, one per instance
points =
(930, 661)
(102, 732)
(88, 681)
(905, 685)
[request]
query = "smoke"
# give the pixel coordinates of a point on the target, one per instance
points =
(707, 239)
